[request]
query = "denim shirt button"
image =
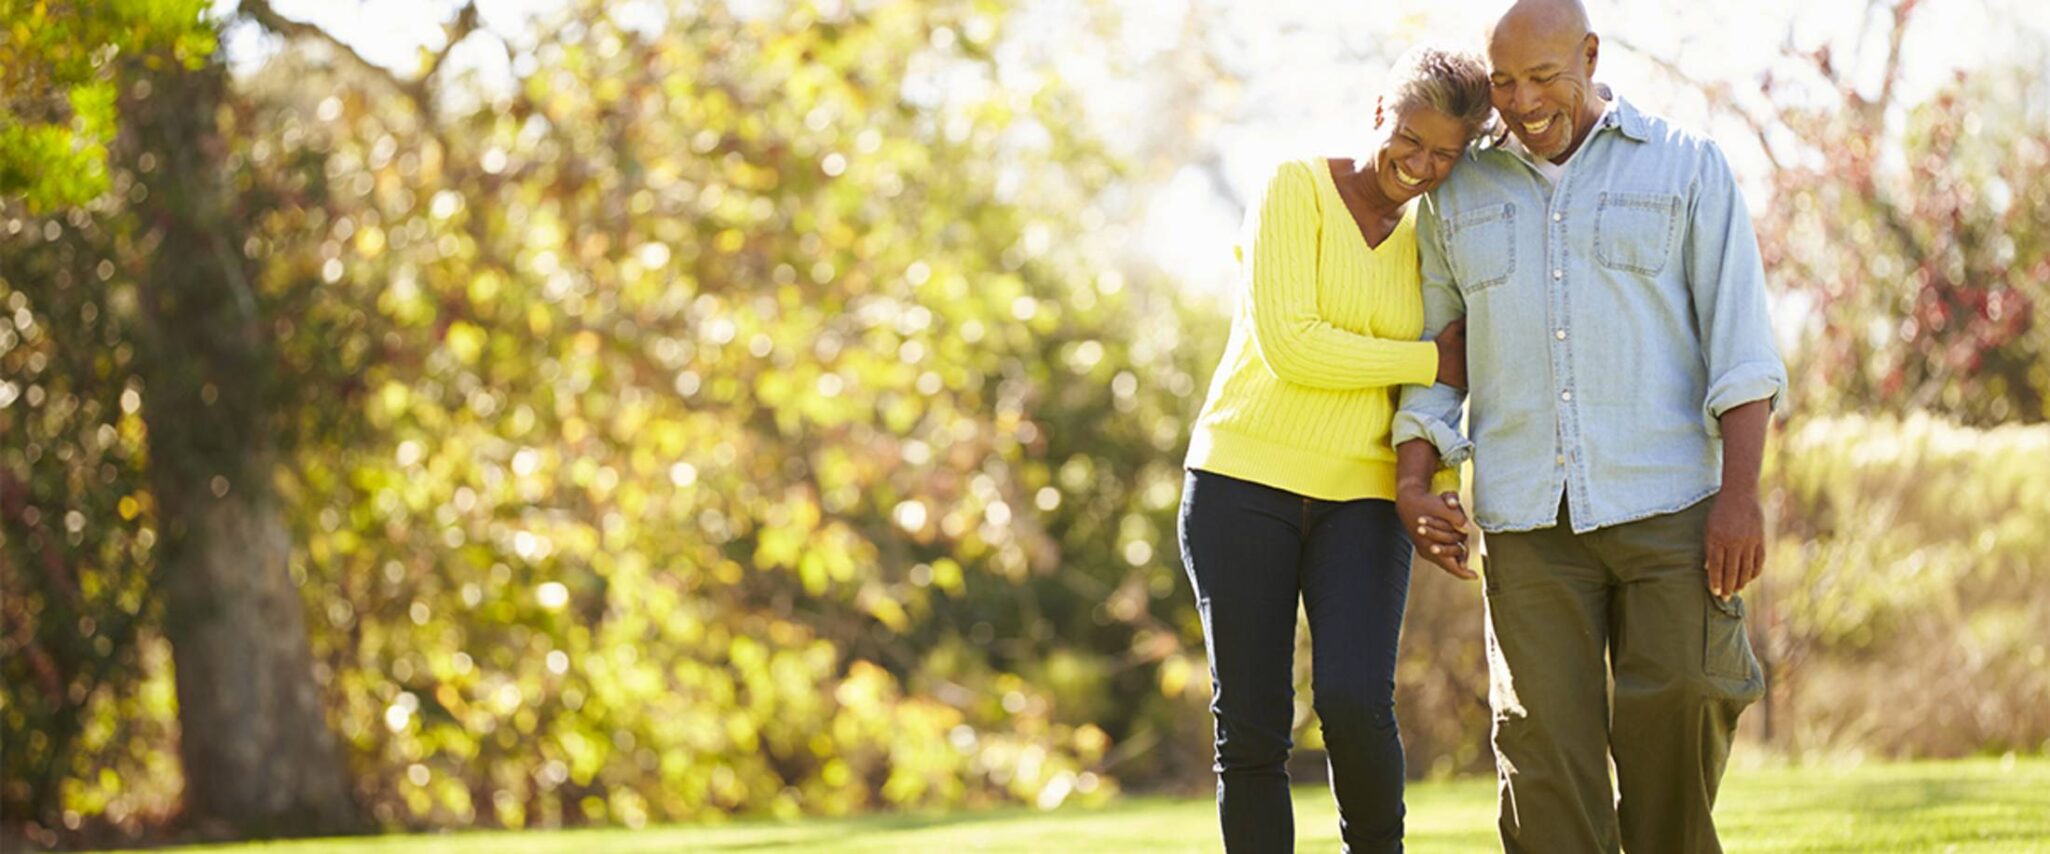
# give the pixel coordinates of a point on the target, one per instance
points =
(1565, 395)
(1558, 274)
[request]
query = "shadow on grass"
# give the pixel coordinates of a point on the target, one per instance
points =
(778, 835)
(881, 829)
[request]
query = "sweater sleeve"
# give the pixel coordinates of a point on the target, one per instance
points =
(1292, 339)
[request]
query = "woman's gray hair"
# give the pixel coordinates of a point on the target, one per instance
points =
(1453, 82)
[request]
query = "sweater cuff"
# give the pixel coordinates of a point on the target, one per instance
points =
(1445, 480)
(1426, 365)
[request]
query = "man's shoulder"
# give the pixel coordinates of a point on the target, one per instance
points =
(1657, 129)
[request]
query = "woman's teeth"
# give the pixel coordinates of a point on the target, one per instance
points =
(1405, 179)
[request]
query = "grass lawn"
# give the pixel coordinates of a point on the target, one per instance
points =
(1974, 805)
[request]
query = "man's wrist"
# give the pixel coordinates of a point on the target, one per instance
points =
(1416, 464)
(1411, 483)
(1739, 490)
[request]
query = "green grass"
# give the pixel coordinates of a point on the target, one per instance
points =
(1973, 805)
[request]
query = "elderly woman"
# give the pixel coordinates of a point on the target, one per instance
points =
(1291, 478)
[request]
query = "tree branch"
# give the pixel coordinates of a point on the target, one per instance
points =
(1718, 95)
(1901, 12)
(419, 90)
(455, 31)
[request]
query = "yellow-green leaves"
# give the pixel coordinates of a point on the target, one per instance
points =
(60, 78)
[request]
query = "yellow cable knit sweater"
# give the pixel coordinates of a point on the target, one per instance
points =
(1324, 334)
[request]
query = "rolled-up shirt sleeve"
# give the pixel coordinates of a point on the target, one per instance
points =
(1432, 412)
(1726, 280)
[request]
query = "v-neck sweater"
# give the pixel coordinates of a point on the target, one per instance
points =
(1324, 333)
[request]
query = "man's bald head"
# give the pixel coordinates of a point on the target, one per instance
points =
(1543, 19)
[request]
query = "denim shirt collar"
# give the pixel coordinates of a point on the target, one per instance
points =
(1625, 118)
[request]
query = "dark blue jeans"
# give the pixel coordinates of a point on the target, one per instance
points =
(1252, 551)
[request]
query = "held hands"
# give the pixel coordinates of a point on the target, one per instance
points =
(1437, 525)
(1736, 542)
(1451, 343)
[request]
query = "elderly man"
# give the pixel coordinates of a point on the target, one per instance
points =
(1621, 371)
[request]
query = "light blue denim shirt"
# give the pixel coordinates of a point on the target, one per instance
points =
(1611, 320)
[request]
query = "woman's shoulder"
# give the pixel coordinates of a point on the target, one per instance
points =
(1304, 167)
(1297, 176)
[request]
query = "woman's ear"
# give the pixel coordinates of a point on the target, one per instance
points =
(1379, 111)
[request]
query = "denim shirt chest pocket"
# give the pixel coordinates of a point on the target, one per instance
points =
(1634, 232)
(1481, 246)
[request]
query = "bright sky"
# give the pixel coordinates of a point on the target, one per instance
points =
(1306, 73)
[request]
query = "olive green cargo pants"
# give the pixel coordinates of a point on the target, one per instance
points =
(1565, 613)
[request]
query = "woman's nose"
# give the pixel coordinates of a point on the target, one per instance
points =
(1418, 165)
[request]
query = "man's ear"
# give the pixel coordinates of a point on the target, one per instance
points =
(1592, 47)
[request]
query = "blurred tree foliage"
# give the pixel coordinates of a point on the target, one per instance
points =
(75, 535)
(733, 429)
(736, 415)
(1904, 611)
(58, 87)
(1924, 244)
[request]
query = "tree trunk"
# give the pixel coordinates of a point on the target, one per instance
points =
(258, 756)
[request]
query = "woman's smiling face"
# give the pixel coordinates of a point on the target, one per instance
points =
(1421, 148)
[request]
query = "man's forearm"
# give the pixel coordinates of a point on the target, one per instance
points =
(1416, 461)
(1743, 446)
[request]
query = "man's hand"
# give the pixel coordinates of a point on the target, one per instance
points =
(1736, 542)
(1736, 525)
(1437, 525)
(1451, 343)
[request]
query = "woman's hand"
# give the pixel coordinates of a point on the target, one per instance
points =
(1437, 525)
(1451, 343)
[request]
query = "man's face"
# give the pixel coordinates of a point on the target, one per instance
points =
(1543, 84)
